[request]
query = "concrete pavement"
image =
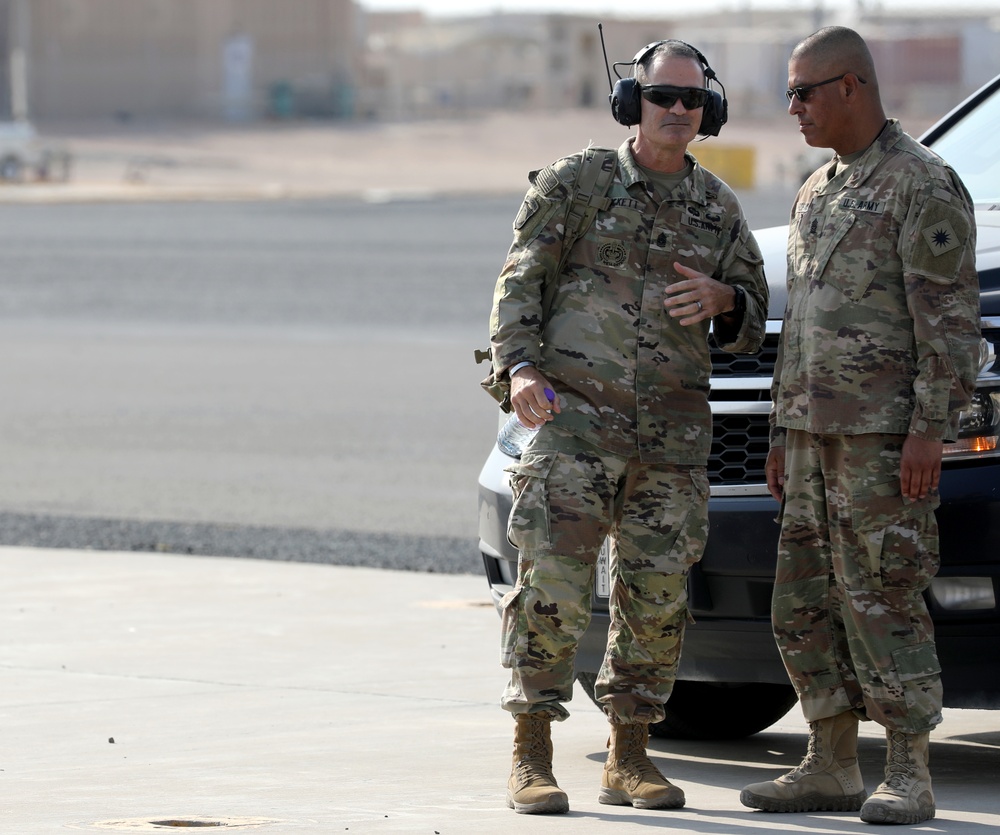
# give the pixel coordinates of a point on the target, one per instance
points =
(148, 692)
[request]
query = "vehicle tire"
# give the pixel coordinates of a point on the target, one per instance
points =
(706, 710)
(11, 169)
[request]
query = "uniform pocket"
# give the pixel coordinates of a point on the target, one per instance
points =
(919, 674)
(882, 505)
(898, 536)
(508, 627)
(528, 527)
(851, 257)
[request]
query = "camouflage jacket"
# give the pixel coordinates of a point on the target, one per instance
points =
(882, 322)
(629, 378)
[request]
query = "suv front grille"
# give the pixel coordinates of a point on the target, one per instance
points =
(760, 364)
(739, 449)
(740, 441)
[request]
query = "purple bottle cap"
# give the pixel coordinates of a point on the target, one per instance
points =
(550, 394)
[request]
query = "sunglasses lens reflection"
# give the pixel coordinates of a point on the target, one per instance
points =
(690, 97)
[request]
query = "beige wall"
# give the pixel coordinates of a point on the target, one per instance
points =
(427, 68)
(165, 58)
(508, 61)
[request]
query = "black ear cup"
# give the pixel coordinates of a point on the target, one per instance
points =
(626, 102)
(626, 97)
(714, 116)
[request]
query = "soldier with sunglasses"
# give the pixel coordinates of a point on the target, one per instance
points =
(878, 356)
(615, 373)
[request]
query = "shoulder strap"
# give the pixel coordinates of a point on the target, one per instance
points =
(593, 181)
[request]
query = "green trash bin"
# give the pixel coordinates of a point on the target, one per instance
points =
(282, 100)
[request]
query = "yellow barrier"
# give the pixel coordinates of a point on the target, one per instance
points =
(733, 163)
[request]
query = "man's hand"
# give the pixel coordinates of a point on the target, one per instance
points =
(774, 469)
(920, 467)
(698, 296)
(529, 395)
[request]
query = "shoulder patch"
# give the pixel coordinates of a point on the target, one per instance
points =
(545, 180)
(940, 241)
(940, 238)
(527, 211)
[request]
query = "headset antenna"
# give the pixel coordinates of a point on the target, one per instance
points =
(611, 87)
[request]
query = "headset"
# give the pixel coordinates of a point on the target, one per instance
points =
(626, 94)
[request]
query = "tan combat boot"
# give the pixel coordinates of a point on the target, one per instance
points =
(630, 778)
(906, 795)
(827, 780)
(532, 789)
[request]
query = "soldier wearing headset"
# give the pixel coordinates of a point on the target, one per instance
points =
(614, 373)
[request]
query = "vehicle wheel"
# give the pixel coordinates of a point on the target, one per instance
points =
(11, 169)
(705, 710)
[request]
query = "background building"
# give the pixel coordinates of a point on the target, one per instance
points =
(287, 59)
(171, 59)
(448, 67)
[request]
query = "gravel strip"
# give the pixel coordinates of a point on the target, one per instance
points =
(433, 554)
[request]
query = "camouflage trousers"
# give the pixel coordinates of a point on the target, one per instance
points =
(569, 496)
(854, 557)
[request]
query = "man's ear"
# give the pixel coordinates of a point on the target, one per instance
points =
(852, 85)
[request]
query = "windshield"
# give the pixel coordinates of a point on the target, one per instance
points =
(972, 148)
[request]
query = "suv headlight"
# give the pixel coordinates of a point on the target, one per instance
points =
(979, 423)
(978, 428)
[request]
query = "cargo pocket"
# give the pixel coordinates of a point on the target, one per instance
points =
(919, 673)
(696, 524)
(900, 551)
(528, 527)
(508, 627)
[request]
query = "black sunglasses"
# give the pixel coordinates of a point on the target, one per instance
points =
(802, 93)
(665, 95)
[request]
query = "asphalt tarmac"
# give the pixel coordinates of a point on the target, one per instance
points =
(281, 379)
(265, 379)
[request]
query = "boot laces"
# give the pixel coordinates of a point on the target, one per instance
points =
(899, 767)
(814, 752)
(640, 769)
(534, 762)
(636, 762)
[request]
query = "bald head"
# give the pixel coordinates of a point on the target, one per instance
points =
(837, 49)
(833, 92)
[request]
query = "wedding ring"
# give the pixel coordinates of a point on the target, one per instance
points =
(697, 302)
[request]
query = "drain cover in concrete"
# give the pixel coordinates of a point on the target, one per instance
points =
(174, 824)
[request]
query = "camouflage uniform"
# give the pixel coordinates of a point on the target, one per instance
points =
(879, 341)
(627, 453)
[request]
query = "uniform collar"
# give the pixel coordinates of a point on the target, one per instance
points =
(861, 169)
(693, 189)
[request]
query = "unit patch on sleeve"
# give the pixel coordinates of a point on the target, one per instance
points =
(527, 210)
(940, 242)
(940, 237)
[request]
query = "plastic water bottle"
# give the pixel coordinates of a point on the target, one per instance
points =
(514, 435)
